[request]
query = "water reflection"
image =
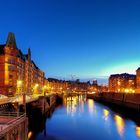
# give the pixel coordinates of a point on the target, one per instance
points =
(106, 114)
(138, 131)
(71, 105)
(80, 122)
(30, 135)
(91, 107)
(72, 102)
(120, 124)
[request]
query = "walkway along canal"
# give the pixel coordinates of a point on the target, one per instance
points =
(86, 119)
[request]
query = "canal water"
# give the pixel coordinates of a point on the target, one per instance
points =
(84, 119)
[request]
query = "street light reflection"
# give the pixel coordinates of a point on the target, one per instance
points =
(90, 106)
(71, 103)
(106, 114)
(138, 131)
(30, 134)
(120, 124)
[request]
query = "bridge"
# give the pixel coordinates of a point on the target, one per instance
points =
(18, 98)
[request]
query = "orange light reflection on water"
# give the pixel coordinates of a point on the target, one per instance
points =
(138, 131)
(71, 103)
(30, 134)
(120, 124)
(106, 114)
(90, 105)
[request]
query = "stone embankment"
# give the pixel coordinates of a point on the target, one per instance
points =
(37, 112)
(122, 99)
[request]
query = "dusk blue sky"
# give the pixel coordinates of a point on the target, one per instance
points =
(86, 38)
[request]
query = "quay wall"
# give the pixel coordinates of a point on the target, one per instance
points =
(121, 99)
(37, 112)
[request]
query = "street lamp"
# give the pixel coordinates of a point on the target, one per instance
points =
(61, 90)
(35, 88)
(44, 87)
(19, 85)
(19, 82)
(36, 85)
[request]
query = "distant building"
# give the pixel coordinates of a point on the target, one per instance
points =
(122, 83)
(95, 82)
(94, 87)
(62, 86)
(138, 80)
(102, 88)
(18, 73)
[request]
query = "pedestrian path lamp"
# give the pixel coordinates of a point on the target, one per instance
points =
(19, 86)
(44, 88)
(36, 88)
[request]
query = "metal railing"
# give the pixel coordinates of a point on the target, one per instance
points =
(19, 100)
(16, 99)
(3, 101)
(16, 119)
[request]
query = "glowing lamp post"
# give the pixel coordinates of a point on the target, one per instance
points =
(20, 89)
(36, 85)
(61, 90)
(44, 88)
(19, 86)
(35, 88)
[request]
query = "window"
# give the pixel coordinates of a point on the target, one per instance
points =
(9, 68)
(10, 76)
(13, 61)
(9, 61)
(12, 67)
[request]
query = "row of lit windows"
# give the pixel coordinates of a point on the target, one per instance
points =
(11, 68)
(12, 61)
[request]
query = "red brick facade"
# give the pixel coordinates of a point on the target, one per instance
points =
(14, 67)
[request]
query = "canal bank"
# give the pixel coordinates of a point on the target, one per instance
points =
(86, 119)
(131, 101)
(125, 104)
(38, 112)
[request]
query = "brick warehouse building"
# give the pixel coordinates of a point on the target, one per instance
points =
(122, 83)
(18, 73)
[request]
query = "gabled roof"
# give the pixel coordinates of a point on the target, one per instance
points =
(11, 39)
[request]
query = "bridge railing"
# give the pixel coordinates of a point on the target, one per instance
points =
(3, 101)
(15, 120)
(11, 114)
(19, 99)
